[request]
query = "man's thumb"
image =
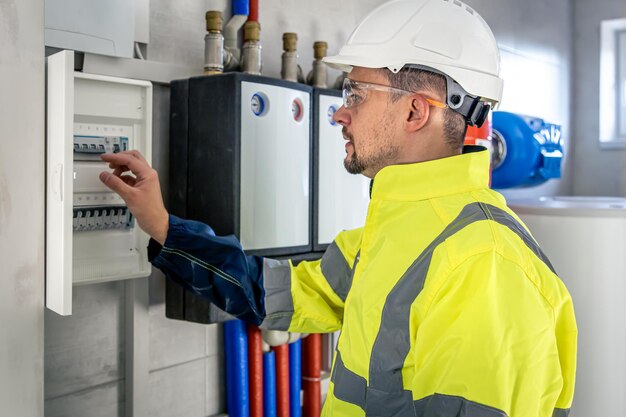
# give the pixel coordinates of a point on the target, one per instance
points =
(114, 183)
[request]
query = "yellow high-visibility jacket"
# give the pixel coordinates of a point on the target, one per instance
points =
(446, 305)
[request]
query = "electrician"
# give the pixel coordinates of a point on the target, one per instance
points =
(446, 305)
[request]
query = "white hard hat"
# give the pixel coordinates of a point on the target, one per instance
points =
(442, 36)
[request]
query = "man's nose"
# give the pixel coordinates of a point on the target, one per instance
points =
(342, 116)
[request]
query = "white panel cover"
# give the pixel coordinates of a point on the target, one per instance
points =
(343, 197)
(275, 155)
(59, 183)
(91, 106)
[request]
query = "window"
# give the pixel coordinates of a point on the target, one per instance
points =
(613, 83)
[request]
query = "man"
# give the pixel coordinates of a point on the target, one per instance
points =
(446, 304)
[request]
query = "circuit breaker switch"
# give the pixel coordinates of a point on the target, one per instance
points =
(102, 218)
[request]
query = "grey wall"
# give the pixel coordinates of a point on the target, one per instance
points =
(536, 50)
(21, 207)
(598, 171)
(85, 354)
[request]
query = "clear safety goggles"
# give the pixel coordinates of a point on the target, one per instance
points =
(355, 92)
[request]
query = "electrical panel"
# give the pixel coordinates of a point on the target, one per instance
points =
(91, 235)
(240, 155)
(340, 198)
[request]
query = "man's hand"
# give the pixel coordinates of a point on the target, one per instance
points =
(141, 192)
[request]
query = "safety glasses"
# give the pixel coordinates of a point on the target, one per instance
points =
(355, 92)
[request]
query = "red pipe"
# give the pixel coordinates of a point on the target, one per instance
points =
(254, 11)
(282, 380)
(255, 370)
(311, 375)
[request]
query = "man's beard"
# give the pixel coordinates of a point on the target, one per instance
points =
(388, 153)
(354, 165)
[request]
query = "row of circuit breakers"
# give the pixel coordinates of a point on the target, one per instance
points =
(252, 156)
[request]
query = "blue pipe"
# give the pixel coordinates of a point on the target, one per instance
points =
(236, 344)
(295, 378)
(269, 385)
(241, 7)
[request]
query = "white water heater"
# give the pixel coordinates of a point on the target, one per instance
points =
(340, 199)
(240, 161)
(585, 239)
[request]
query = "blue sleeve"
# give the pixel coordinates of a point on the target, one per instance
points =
(214, 267)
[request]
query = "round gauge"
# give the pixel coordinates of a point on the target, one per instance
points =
(259, 104)
(331, 112)
(297, 109)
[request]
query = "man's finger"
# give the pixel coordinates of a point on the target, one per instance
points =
(113, 166)
(116, 184)
(118, 171)
(130, 180)
(135, 164)
(138, 155)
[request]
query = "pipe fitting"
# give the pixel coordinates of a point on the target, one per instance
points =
(320, 49)
(251, 62)
(290, 42)
(251, 31)
(318, 77)
(289, 68)
(214, 21)
(213, 43)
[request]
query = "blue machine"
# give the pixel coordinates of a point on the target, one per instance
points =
(528, 151)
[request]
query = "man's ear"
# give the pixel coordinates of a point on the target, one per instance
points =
(418, 114)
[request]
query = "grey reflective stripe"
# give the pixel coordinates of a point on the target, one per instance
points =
(385, 372)
(560, 412)
(382, 402)
(357, 258)
(348, 386)
(278, 299)
(450, 406)
(386, 364)
(505, 219)
(336, 270)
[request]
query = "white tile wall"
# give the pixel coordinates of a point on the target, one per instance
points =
(179, 391)
(174, 342)
(85, 349)
(101, 401)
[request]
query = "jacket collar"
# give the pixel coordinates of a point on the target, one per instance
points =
(431, 179)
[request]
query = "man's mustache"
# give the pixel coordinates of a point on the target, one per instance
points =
(347, 135)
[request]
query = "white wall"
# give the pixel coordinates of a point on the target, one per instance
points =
(21, 207)
(597, 171)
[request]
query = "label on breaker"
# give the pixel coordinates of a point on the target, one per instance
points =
(102, 218)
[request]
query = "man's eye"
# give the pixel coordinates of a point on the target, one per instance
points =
(356, 98)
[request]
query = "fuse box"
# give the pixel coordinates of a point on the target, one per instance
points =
(91, 235)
